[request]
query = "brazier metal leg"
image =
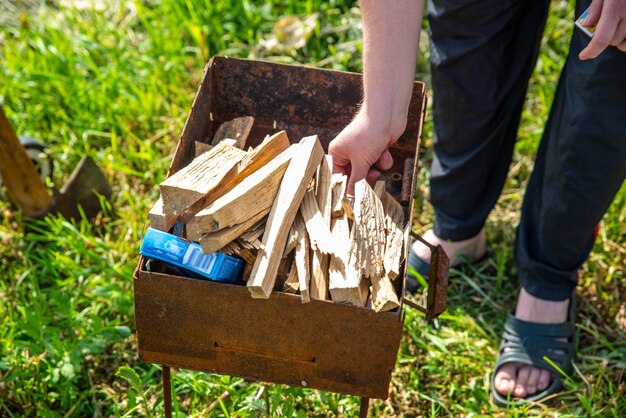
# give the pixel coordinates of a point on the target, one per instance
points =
(167, 391)
(365, 406)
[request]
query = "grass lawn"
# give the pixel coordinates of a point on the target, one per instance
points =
(115, 79)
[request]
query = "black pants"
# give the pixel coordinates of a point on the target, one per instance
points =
(482, 55)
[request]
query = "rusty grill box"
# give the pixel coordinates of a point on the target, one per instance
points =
(219, 328)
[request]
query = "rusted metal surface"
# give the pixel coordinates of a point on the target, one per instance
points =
(167, 391)
(215, 327)
(437, 298)
(407, 181)
(365, 406)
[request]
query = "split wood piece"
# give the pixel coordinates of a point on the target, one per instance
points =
(384, 297)
(302, 259)
(379, 188)
(292, 285)
(237, 129)
(339, 182)
(320, 261)
(253, 197)
(255, 233)
(317, 228)
(195, 181)
(201, 148)
(158, 219)
(284, 269)
(370, 238)
(292, 240)
(344, 276)
(394, 226)
(253, 161)
(214, 241)
(307, 157)
(369, 226)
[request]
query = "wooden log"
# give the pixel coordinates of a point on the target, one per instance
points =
(394, 227)
(253, 161)
(339, 182)
(201, 148)
(237, 129)
(302, 259)
(195, 181)
(158, 219)
(320, 261)
(253, 197)
(214, 241)
(292, 189)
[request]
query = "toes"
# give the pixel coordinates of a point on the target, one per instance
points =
(533, 381)
(544, 379)
(505, 379)
(522, 379)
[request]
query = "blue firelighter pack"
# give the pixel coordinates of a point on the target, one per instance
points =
(189, 256)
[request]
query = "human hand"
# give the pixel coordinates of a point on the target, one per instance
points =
(360, 146)
(610, 17)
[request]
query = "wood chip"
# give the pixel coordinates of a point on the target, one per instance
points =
(237, 129)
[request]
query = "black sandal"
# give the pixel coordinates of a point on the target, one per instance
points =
(531, 343)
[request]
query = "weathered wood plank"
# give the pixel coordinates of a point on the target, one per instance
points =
(291, 191)
(253, 196)
(253, 161)
(237, 129)
(203, 174)
(158, 219)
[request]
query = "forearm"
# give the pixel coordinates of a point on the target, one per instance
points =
(391, 30)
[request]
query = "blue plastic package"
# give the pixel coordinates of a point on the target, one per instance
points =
(189, 256)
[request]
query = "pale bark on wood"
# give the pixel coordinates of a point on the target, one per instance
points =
(201, 148)
(250, 198)
(214, 241)
(394, 226)
(339, 182)
(195, 181)
(237, 129)
(302, 260)
(291, 191)
(158, 219)
(253, 161)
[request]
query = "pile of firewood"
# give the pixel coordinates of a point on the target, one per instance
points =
(280, 208)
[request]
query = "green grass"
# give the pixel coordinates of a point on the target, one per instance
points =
(116, 84)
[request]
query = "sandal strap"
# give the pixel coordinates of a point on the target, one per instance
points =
(531, 343)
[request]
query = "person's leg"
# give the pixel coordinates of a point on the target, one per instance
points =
(482, 55)
(580, 166)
